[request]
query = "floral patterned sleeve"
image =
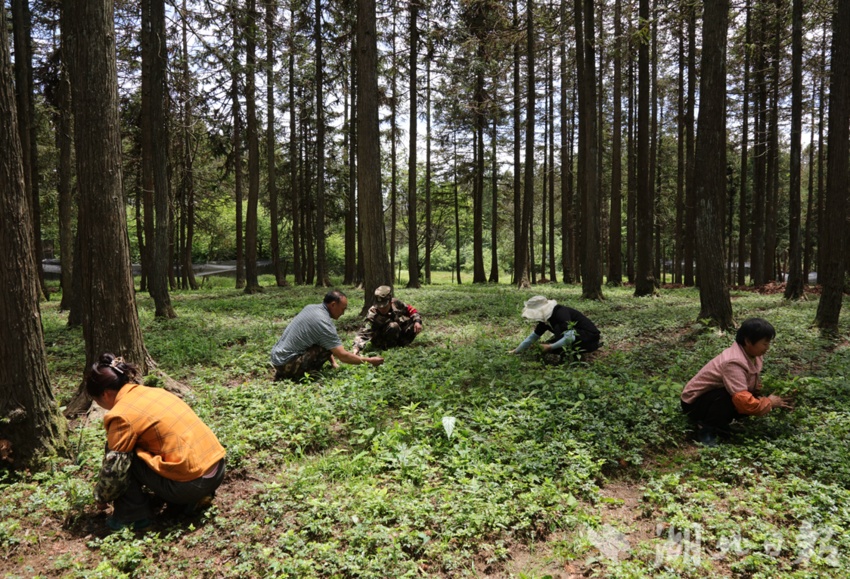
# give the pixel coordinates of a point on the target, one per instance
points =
(114, 476)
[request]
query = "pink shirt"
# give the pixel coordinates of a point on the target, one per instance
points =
(734, 370)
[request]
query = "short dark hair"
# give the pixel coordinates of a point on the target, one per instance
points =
(753, 330)
(333, 297)
(109, 373)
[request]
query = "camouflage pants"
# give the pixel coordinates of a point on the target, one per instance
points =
(310, 361)
(394, 334)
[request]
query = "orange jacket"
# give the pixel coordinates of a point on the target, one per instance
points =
(163, 431)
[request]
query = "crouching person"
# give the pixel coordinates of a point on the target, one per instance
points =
(390, 323)
(311, 339)
(729, 386)
(153, 440)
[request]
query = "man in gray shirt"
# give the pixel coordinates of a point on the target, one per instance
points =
(311, 339)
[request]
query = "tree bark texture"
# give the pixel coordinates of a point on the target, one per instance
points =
(615, 236)
(30, 418)
(644, 279)
(412, 228)
(591, 266)
(110, 319)
(252, 284)
(522, 265)
(22, 30)
(377, 269)
(837, 173)
(155, 150)
(710, 167)
(322, 279)
(794, 286)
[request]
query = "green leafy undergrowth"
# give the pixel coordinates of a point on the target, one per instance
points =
(453, 453)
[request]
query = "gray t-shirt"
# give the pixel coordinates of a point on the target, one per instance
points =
(313, 325)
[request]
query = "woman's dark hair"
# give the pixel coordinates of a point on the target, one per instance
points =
(109, 373)
(754, 329)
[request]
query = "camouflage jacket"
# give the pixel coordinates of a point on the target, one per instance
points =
(114, 476)
(401, 313)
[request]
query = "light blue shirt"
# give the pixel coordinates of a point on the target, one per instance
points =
(312, 326)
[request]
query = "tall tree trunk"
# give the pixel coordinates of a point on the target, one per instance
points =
(810, 196)
(544, 197)
(615, 236)
(412, 229)
(494, 207)
(794, 287)
(565, 152)
(252, 284)
(30, 417)
(155, 141)
(27, 127)
(837, 173)
(631, 169)
(517, 140)
(550, 173)
(581, 154)
(376, 266)
(428, 225)
(322, 279)
(295, 200)
(110, 320)
(690, 250)
(349, 146)
(821, 256)
(654, 183)
(678, 254)
(457, 210)
(393, 146)
(478, 273)
(271, 143)
(772, 186)
(644, 279)
(757, 266)
(745, 167)
(521, 265)
(237, 148)
(309, 226)
(64, 136)
(600, 103)
(188, 157)
(710, 166)
(591, 276)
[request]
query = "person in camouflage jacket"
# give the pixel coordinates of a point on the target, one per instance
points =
(390, 323)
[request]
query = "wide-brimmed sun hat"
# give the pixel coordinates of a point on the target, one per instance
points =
(538, 309)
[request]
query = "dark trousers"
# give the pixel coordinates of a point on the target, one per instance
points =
(395, 334)
(134, 505)
(713, 409)
(310, 361)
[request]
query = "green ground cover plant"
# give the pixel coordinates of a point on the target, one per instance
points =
(456, 459)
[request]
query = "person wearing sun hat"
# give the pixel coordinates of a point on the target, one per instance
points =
(573, 332)
(389, 323)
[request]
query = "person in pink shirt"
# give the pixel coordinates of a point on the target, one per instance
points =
(729, 386)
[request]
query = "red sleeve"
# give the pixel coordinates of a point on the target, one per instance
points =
(746, 403)
(411, 311)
